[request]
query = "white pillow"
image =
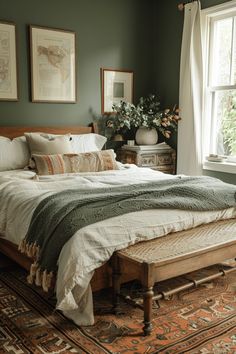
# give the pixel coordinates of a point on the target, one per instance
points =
(14, 154)
(41, 144)
(83, 142)
(87, 142)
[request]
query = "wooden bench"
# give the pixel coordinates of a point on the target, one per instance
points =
(173, 255)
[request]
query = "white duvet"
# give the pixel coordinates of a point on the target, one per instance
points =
(92, 245)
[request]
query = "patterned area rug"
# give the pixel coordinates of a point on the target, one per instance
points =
(201, 320)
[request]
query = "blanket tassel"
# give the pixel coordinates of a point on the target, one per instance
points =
(33, 270)
(38, 277)
(46, 280)
(22, 246)
(31, 250)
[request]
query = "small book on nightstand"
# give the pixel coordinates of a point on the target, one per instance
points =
(156, 147)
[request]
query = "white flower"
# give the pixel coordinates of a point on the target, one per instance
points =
(157, 122)
(145, 124)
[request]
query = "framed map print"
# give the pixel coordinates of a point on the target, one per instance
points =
(8, 63)
(117, 85)
(53, 68)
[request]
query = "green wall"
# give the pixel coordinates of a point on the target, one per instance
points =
(167, 36)
(140, 35)
(110, 34)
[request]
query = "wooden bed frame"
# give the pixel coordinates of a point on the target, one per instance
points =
(100, 280)
(14, 132)
(102, 276)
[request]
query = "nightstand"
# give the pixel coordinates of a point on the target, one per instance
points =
(159, 157)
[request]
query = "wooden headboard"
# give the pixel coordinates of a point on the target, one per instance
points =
(14, 132)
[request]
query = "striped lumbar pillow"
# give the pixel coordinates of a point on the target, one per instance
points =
(49, 164)
(95, 161)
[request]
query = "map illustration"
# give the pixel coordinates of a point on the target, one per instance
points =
(4, 60)
(57, 56)
(53, 65)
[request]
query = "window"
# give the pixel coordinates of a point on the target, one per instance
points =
(220, 82)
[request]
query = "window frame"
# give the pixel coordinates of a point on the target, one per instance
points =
(208, 17)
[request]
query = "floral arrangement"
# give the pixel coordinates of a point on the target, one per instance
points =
(147, 114)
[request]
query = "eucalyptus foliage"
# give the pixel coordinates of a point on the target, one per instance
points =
(146, 113)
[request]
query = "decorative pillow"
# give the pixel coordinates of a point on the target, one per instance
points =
(49, 164)
(83, 142)
(14, 154)
(42, 145)
(95, 161)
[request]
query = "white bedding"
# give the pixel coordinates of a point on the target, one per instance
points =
(93, 245)
(19, 173)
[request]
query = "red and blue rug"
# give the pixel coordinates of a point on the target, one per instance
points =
(201, 320)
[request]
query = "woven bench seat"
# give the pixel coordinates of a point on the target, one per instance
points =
(170, 256)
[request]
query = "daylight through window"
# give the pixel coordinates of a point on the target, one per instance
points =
(220, 98)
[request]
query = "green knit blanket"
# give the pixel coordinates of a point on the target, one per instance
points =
(59, 216)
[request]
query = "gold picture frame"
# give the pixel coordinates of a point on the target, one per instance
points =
(117, 85)
(53, 65)
(8, 62)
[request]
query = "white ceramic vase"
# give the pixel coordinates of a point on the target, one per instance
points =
(145, 136)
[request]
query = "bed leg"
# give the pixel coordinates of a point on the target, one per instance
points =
(116, 274)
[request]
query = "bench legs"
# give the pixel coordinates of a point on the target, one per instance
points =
(147, 281)
(146, 277)
(147, 307)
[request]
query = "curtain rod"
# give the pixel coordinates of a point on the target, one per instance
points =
(182, 4)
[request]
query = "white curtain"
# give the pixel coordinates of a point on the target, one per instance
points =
(191, 92)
